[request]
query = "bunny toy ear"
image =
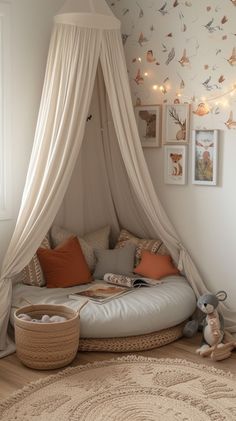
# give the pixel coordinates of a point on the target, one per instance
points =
(221, 295)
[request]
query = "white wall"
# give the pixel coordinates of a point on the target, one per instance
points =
(204, 216)
(31, 23)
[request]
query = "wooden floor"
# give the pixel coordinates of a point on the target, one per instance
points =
(13, 375)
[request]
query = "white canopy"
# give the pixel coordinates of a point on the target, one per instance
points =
(84, 33)
(97, 7)
(87, 14)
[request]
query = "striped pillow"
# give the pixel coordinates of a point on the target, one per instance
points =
(32, 273)
(154, 246)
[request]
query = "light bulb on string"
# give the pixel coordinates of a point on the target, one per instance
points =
(163, 89)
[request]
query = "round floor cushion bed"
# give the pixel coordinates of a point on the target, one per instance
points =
(147, 317)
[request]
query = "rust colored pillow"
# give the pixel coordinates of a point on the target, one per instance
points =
(65, 265)
(155, 266)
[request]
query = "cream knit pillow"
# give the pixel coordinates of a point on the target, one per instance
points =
(98, 239)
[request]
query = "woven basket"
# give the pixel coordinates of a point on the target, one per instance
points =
(46, 346)
(133, 343)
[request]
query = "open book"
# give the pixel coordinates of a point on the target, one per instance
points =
(135, 281)
(100, 292)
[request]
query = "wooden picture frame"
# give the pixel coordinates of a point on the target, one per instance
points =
(175, 164)
(204, 157)
(148, 119)
(176, 124)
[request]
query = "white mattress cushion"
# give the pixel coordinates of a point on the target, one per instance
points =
(144, 310)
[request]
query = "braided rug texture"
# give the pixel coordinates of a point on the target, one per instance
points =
(127, 389)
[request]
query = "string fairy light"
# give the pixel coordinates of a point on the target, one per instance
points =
(207, 104)
(164, 88)
(204, 101)
(229, 92)
(216, 98)
(203, 104)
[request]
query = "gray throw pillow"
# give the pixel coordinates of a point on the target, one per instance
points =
(119, 261)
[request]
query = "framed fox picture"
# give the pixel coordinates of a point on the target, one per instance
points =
(175, 167)
(148, 119)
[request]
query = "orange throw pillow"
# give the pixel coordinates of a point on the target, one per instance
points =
(65, 265)
(155, 266)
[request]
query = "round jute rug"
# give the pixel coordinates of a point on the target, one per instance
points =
(127, 389)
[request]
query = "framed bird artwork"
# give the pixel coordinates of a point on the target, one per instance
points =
(204, 157)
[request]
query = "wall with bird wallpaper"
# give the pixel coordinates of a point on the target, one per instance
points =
(189, 49)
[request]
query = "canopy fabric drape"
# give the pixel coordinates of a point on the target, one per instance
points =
(77, 44)
(59, 134)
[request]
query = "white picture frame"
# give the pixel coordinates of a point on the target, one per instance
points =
(176, 124)
(175, 164)
(204, 157)
(148, 119)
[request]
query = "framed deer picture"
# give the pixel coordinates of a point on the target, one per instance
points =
(148, 119)
(175, 166)
(204, 157)
(176, 124)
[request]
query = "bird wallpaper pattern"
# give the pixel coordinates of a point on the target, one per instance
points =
(182, 51)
